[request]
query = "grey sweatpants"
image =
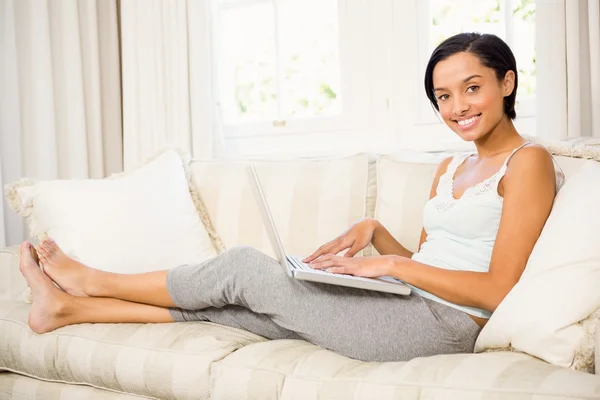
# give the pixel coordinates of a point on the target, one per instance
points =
(244, 288)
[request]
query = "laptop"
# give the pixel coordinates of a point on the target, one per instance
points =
(296, 269)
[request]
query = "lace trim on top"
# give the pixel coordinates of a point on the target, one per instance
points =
(445, 189)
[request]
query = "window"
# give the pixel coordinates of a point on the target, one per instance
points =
(278, 66)
(512, 20)
(306, 76)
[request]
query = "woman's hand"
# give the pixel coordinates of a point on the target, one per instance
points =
(368, 267)
(356, 238)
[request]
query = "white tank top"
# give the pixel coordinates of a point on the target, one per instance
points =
(461, 232)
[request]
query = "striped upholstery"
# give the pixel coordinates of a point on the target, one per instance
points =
(403, 187)
(197, 360)
(312, 201)
(167, 361)
(12, 283)
(13, 386)
(296, 370)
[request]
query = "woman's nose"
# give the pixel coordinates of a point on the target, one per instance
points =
(460, 106)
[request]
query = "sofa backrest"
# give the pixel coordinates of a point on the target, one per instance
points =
(315, 200)
(312, 201)
(571, 165)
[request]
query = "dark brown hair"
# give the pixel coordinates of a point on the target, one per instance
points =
(492, 51)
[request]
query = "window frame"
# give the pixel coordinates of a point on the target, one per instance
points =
(336, 123)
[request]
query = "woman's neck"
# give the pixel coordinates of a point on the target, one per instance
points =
(504, 137)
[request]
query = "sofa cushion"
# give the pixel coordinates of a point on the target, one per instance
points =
(312, 201)
(297, 370)
(559, 287)
(111, 223)
(166, 361)
(13, 386)
(570, 165)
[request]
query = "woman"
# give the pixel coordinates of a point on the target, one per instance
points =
(485, 213)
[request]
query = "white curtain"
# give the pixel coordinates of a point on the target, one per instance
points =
(568, 69)
(60, 112)
(167, 100)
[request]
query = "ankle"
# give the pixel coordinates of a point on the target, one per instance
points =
(62, 306)
(97, 283)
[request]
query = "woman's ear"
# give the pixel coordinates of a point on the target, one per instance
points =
(508, 83)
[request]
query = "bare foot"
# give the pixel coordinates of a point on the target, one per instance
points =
(70, 275)
(48, 311)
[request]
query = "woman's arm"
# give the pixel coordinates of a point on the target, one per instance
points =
(385, 244)
(529, 190)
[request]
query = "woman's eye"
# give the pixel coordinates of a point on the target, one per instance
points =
(473, 88)
(443, 97)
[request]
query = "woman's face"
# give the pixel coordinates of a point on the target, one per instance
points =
(469, 95)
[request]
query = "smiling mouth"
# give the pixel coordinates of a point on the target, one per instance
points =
(466, 123)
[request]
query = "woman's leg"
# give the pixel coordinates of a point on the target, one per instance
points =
(53, 308)
(80, 280)
(357, 323)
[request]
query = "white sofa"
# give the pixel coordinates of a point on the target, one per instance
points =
(204, 360)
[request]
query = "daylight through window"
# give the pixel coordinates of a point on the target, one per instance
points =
(277, 60)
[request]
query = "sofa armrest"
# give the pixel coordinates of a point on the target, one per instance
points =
(12, 283)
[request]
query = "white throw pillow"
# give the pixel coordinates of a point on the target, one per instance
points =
(312, 201)
(139, 221)
(560, 285)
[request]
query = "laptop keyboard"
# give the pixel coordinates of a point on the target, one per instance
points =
(297, 264)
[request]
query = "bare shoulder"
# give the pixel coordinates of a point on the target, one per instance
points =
(532, 157)
(441, 169)
(443, 166)
(532, 165)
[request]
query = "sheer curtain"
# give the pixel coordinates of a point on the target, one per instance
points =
(166, 79)
(568, 63)
(60, 112)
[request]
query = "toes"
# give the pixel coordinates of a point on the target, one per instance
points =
(44, 252)
(24, 250)
(48, 247)
(34, 254)
(43, 245)
(54, 246)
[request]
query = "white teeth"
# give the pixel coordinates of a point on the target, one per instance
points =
(468, 121)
